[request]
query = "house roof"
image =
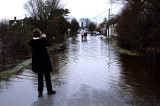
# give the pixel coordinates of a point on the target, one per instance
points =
(112, 21)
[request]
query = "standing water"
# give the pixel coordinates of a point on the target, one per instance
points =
(87, 73)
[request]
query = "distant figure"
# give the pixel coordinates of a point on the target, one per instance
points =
(85, 35)
(82, 35)
(41, 63)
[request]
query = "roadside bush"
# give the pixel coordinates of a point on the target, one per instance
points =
(18, 45)
(14, 48)
(138, 26)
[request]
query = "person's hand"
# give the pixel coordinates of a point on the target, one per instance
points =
(54, 37)
(43, 35)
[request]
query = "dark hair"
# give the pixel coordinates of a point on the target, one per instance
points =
(36, 33)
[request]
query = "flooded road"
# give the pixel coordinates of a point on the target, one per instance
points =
(87, 73)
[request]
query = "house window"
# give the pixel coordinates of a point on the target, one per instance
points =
(113, 26)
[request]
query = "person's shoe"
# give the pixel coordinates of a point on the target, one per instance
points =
(40, 94)
(51, 92)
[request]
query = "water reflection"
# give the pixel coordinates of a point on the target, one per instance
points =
(136, 82)
(94, 63)
(91, 62)
(93, 67)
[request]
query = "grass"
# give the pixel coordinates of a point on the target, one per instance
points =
(121, 50)
(8, 73)
(56, 47)
(124, 51)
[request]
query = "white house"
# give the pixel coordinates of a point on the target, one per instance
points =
(111, 24)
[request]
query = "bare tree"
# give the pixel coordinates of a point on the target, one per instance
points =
(126, 1)
(43, 12)
(87, 22)
(82, 22)
(116, 1)
(41, 9)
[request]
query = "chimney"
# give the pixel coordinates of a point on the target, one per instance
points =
(15, 18)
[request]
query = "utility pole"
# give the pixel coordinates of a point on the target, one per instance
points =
(108, 21)
(96, 21)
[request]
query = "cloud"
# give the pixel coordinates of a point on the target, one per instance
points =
(11, 8)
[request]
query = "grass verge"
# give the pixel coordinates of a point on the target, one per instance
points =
(6, 74)
(124, 51)
(121, 50)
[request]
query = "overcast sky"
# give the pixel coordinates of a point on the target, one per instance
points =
(78, 8)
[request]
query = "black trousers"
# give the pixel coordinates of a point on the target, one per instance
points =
(48, 81)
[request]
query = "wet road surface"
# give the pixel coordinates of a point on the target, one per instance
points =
(86, 73)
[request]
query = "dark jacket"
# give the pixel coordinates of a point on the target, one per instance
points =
(40, 59)
(85, 34)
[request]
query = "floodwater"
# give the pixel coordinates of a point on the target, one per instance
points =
(87, 73)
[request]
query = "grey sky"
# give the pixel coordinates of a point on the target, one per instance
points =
(78, 8)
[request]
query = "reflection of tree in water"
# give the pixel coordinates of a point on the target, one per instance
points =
(153, 61)
(57, 59)
(137, 83)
